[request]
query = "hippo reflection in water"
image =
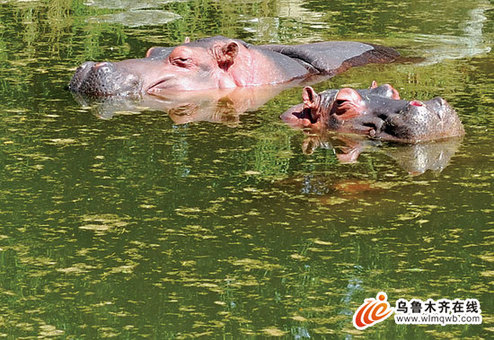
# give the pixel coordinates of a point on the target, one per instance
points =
(377, 112)
(222, 63)
(218, 106)
(416, 158)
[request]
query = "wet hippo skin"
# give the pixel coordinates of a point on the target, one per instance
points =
(221, 63)
(377, 112)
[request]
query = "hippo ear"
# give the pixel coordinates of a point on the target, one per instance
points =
(374, 84)
(186, 40)
(309, 97)
(226, 55)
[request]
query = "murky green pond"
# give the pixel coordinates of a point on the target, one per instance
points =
(130, 224)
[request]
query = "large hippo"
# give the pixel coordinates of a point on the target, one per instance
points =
(220, 63)
(377, 112)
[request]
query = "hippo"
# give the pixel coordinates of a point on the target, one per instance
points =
(377, 112)
(222, 63)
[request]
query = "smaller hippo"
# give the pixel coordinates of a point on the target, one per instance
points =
(377, 112)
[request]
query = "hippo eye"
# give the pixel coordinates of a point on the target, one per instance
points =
(181, 62)
(341, 104)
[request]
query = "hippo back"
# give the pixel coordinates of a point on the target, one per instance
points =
(333, 57)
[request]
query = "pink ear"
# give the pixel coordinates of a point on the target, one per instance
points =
(226, 54)
(374, 84)
(186, 40)
(309, 97)
(416, 103)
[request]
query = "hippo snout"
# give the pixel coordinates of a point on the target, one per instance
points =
(104, 79)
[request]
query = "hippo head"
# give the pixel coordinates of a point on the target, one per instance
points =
(377, 112)
(200, 65)
(328, 108)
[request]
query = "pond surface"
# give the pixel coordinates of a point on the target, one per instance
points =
(135, 225)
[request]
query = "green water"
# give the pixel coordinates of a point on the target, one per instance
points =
(138, 227)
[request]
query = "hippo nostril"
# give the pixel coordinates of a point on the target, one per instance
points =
(437, 103)
(104, 67)
(102, 63)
